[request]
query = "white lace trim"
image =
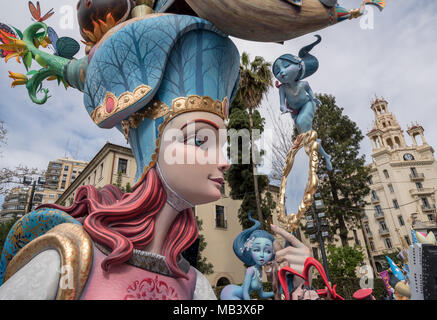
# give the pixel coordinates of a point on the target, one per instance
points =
(173, 199)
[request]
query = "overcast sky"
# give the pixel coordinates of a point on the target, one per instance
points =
(395, 60)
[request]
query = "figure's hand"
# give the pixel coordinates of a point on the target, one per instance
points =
(317, 102)
(295, 255)
(283, 109)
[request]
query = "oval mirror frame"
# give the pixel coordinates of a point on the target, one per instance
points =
(308, 140)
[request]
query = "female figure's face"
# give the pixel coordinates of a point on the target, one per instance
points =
(286, 71)
(191, 156)
(262, 251)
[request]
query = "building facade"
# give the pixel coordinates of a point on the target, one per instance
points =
(15, 203)
(403, 184)
(220, 223)
(61, 174)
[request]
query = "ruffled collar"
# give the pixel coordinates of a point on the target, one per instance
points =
(152, 262)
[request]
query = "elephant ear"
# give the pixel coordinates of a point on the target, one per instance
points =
(295, 2)
(329, 3)
(67, 47)
(163, 5)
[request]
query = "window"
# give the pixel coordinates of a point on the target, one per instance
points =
(315, 253)
(66, 168)
(386, 174)
(122, 165)
(378, 209)
(388, 243)
(390, 187)
(95, 176)
(220, 221)
(357, 241)
(372, 245)
(395, 204)
(370, 180)
(374, 195)
(413, 171)
(383, 226)
(425, 202)
(101, 171)
(401, 220)
(419, 185)
(367, 228)
(407, 239)
(51, 196)
(431, 217)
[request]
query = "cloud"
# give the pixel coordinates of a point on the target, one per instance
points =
(395, 60)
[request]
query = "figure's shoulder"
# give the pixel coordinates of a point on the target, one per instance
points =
(303, 84)
(251, 270)
(51, 244)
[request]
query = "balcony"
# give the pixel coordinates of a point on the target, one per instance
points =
(379, 215)
(374, 200)
(429, 209)
(369, 234)
(417, 177)
(384, 232)
(421, 191)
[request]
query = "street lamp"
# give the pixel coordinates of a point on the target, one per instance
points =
(320, 229)
(28, 181)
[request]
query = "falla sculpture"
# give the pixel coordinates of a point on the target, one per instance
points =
(254, 247)
(151, 66)
(297, 98)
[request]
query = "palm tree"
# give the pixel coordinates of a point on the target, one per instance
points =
(255, 81)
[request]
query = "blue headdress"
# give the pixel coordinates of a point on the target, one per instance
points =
(243, 242)
(309, 63)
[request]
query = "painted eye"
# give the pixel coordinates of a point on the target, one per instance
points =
(286, 64)
(196, 140)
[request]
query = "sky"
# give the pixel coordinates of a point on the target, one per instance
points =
(395, 59)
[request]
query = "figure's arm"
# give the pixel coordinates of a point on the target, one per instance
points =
(265, 295)
(246, 284)
(283, 105)
(310, 92)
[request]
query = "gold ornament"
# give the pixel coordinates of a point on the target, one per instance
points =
(308, 140)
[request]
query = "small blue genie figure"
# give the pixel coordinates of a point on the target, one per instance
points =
(255, 248)
(296, 96)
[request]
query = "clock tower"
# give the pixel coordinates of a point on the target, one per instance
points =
(403, 184)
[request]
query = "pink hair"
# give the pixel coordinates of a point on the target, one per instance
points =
(123, 222)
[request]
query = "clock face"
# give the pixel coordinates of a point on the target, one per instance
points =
(408, 157)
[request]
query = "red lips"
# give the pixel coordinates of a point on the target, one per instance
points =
(218, 180)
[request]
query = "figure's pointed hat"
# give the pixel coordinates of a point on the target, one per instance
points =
(142, 69)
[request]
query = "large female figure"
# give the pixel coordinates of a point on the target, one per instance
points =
(165, 81)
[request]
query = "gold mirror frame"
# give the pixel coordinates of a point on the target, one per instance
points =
(308, 140)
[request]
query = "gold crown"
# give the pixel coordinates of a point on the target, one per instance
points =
(197, 103)
(157, 109)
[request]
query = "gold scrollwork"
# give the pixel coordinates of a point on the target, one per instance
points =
(125, 100)
(308, 140)
(75, 248)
